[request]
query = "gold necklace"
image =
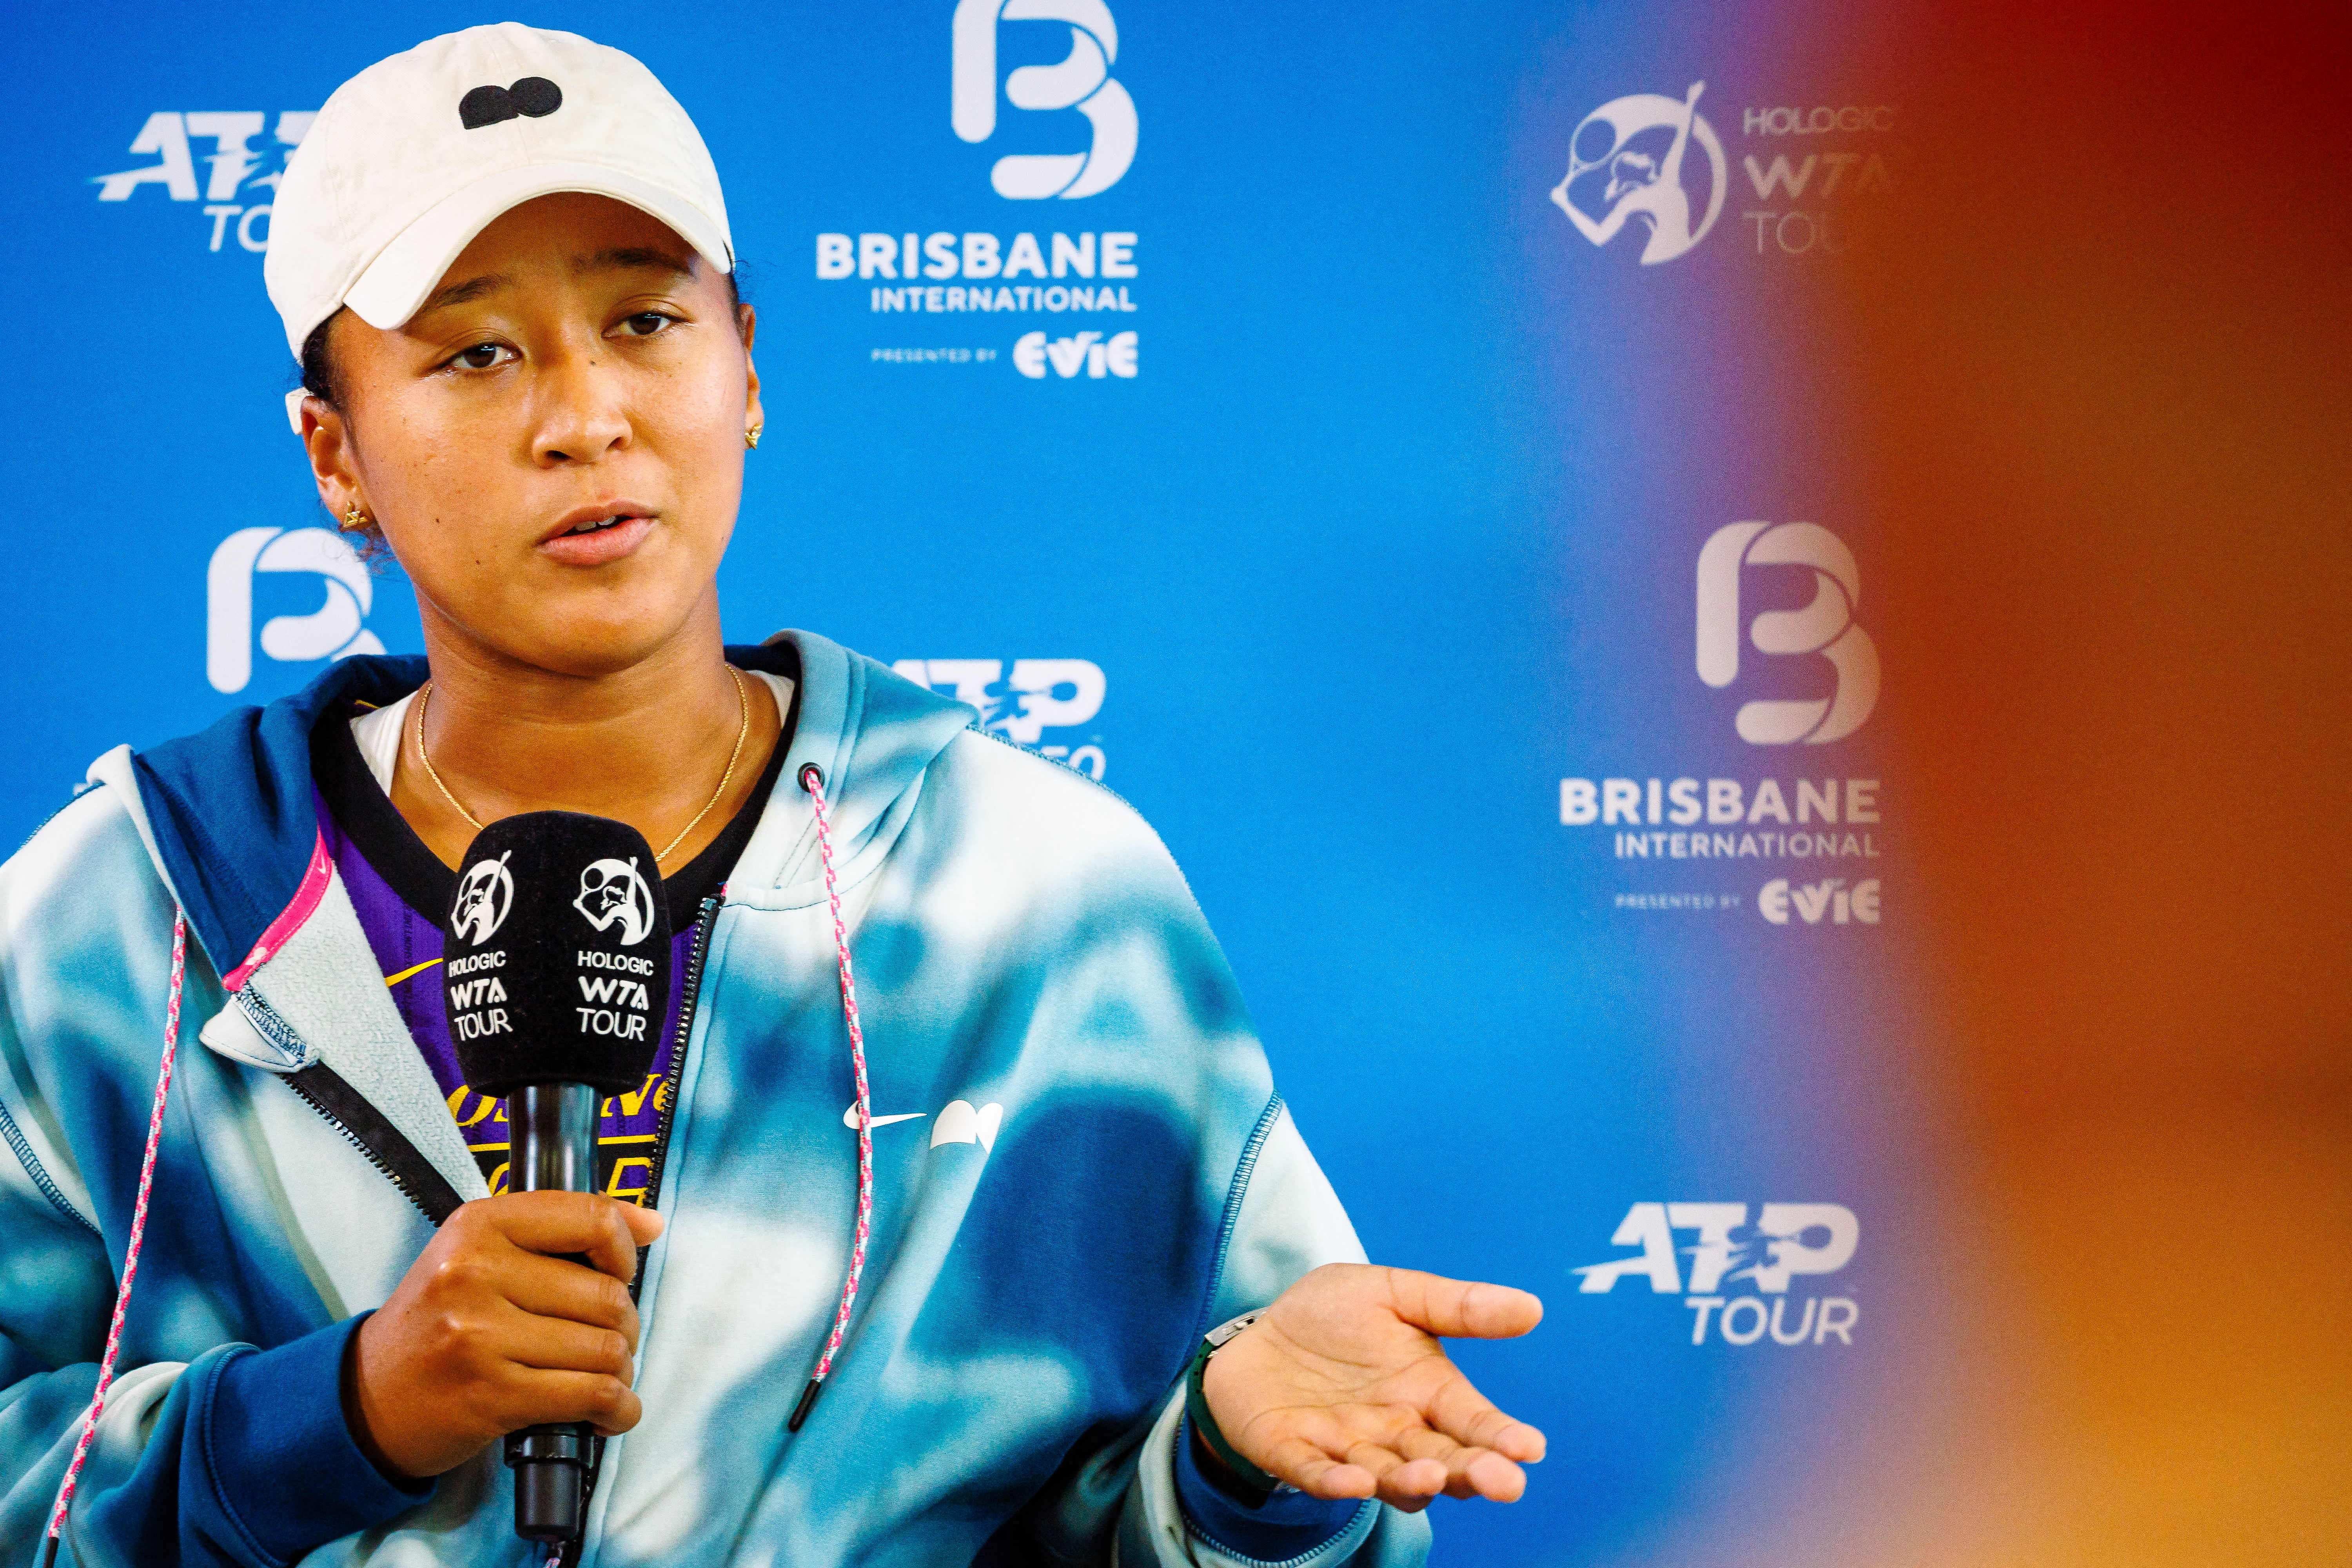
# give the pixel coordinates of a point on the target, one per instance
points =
(742, 729)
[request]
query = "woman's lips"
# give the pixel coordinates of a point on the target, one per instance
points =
(604, 544)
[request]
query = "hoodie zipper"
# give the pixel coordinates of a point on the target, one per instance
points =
(317, 1084)
(383, 1145)
(691, 998)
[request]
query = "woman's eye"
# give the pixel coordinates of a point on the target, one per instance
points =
(481, 356)
(645, 323)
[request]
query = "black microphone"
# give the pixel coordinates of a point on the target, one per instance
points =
(556, 975)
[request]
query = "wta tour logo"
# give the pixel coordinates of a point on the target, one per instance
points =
(336, 629)
(1082, 81)
(482, 902)
(1629, 163)
(615, 891)
(1825, 626)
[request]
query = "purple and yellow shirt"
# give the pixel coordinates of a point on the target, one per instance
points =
(401, 891)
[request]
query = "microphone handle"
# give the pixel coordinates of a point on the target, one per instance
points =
(552, 1148)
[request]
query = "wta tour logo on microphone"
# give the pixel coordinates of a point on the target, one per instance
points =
(557, 955)
(611, 891)
(484, 896)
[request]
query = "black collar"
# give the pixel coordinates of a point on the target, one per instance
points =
(376, 828)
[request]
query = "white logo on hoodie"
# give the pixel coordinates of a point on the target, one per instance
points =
(959, 1123)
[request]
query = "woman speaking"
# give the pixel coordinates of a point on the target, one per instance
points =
(957, 1219)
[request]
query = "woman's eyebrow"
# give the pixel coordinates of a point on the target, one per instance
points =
(471, 289)
(630, 257)
(620, 258)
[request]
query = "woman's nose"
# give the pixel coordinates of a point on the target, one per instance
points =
(583, 415)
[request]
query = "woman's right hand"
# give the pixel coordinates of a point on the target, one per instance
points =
(494, 1330)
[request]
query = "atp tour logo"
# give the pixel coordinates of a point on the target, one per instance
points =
(1040, 694)
(483, 899)
(1785, 1243)
(1825, 626)
(234, 168)
(613, 890)
(336, 629)
(1628, 163)
(1082, 81)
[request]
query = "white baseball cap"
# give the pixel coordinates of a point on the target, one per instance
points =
(416, 154)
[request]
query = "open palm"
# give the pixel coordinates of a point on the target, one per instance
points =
(1341, 1389)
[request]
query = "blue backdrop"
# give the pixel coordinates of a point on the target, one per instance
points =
(1383, 565)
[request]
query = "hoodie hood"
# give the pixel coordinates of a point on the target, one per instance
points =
(232, 822)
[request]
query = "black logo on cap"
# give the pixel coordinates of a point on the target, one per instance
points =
(533, 95)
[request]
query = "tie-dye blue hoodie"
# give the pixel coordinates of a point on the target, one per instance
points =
(1118, 1176)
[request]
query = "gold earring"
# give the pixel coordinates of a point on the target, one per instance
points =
(354, 519)
(751, 435)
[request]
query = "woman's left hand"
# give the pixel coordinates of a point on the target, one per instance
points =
(1341, 1389)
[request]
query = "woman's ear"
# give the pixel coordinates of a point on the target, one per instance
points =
(754, 417)
(326, 440)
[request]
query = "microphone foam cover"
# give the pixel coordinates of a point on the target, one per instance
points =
(556, 954)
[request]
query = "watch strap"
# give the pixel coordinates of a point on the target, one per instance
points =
(1251, 1484)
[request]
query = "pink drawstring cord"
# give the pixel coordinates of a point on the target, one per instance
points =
(131, 1250)
(813, 780)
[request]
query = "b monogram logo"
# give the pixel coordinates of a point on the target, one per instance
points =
(1082, 82)
(1825, 626)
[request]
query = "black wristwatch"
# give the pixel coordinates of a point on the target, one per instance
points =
(1249, 1484)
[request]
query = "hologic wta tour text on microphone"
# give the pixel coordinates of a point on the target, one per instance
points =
(556, 977)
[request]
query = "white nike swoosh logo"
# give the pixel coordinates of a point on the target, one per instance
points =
(849, 1117)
